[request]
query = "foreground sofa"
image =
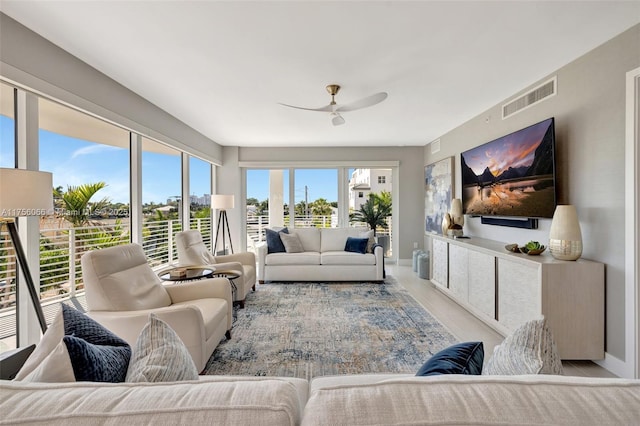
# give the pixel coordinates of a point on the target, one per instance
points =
(323, 258)
(382, 399)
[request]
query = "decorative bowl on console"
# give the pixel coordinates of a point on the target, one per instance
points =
(512, 248)
(532, 248)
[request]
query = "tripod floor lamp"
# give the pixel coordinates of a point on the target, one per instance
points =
(222, 203)
(25, 193)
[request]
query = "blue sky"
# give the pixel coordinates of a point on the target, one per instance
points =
(74, 162)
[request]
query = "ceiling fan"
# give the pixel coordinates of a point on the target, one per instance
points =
(334, 109)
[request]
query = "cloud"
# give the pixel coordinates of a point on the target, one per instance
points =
(92, 149)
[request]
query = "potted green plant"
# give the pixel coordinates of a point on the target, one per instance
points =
(374, 212)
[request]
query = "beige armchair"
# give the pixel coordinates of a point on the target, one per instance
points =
(192, 251)
(122, 289)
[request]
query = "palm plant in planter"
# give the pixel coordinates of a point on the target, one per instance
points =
(374, 212)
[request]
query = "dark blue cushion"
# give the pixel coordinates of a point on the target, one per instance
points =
(96, 354)
(463, 358)
(356, 245)
(274, 243)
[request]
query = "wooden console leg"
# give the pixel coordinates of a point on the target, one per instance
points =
(261, 281)
(253, 287)
(228, 335)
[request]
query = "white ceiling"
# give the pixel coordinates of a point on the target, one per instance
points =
(222, 67)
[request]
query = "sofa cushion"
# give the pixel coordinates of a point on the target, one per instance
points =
(160, 356)
(305, 258)
(472, 400)
(309, 237)
(211, 400)
(77, 348)
(370, 237)
(334, 239)
(356, 245)
(274, 243)
(530, 349)
(462, 358)
(347, 258)
(291, 243)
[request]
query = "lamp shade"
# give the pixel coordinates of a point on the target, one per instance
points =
(25, 193)
(222, 202)
(565, 237)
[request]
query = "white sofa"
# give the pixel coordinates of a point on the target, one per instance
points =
(382, 399)
(323, 259)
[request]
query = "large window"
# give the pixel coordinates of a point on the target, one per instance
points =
(316, 197)
(89, 160)
(161, 198)
(200, 198)
(319, 200)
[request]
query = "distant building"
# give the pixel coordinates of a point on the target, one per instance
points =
(366, 181)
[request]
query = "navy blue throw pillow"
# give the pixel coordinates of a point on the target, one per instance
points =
(96, 354)
(356, 245)
(463, 358)
(274, 243)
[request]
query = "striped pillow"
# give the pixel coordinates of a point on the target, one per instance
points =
(530, 349)
(160, 355)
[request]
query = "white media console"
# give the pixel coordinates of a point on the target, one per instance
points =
(505, 289)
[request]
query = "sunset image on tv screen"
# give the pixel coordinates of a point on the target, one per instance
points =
(512, 175)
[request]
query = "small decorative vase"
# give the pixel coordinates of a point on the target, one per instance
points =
(565, 237)
(457, 217)
(446, 222)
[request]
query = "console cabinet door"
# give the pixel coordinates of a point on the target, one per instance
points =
(482, 282)
(519, 293)
(459, 272)
(440, 263)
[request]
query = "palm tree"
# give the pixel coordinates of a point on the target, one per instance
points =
(77, 202)
(320, 207)
(373, 212)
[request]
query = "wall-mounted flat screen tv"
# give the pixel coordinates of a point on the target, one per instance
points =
(513, 175)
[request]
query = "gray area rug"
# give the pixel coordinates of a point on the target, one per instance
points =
(315, 329)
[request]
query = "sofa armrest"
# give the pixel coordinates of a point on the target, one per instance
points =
(186, 321)
(212, 288)
(262, 250)
(378, 252)
(246, 258)
(228, 266)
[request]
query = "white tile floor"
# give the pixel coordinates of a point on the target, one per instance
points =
(465, 326)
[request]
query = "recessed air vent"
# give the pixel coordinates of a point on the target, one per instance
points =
(538, 94)
(435, 146)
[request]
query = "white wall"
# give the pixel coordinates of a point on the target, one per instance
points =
(590, 141)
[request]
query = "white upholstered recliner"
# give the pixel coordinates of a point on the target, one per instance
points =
(121, 290)
(192, 251)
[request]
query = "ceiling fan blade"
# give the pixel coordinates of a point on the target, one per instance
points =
(328, 108)
(337, 120)
(363, 103)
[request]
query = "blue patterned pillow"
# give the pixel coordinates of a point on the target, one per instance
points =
(463, 358)
(274, 243)
(356, 245)
(96, 354)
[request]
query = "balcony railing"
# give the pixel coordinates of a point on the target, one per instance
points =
(61, 249)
